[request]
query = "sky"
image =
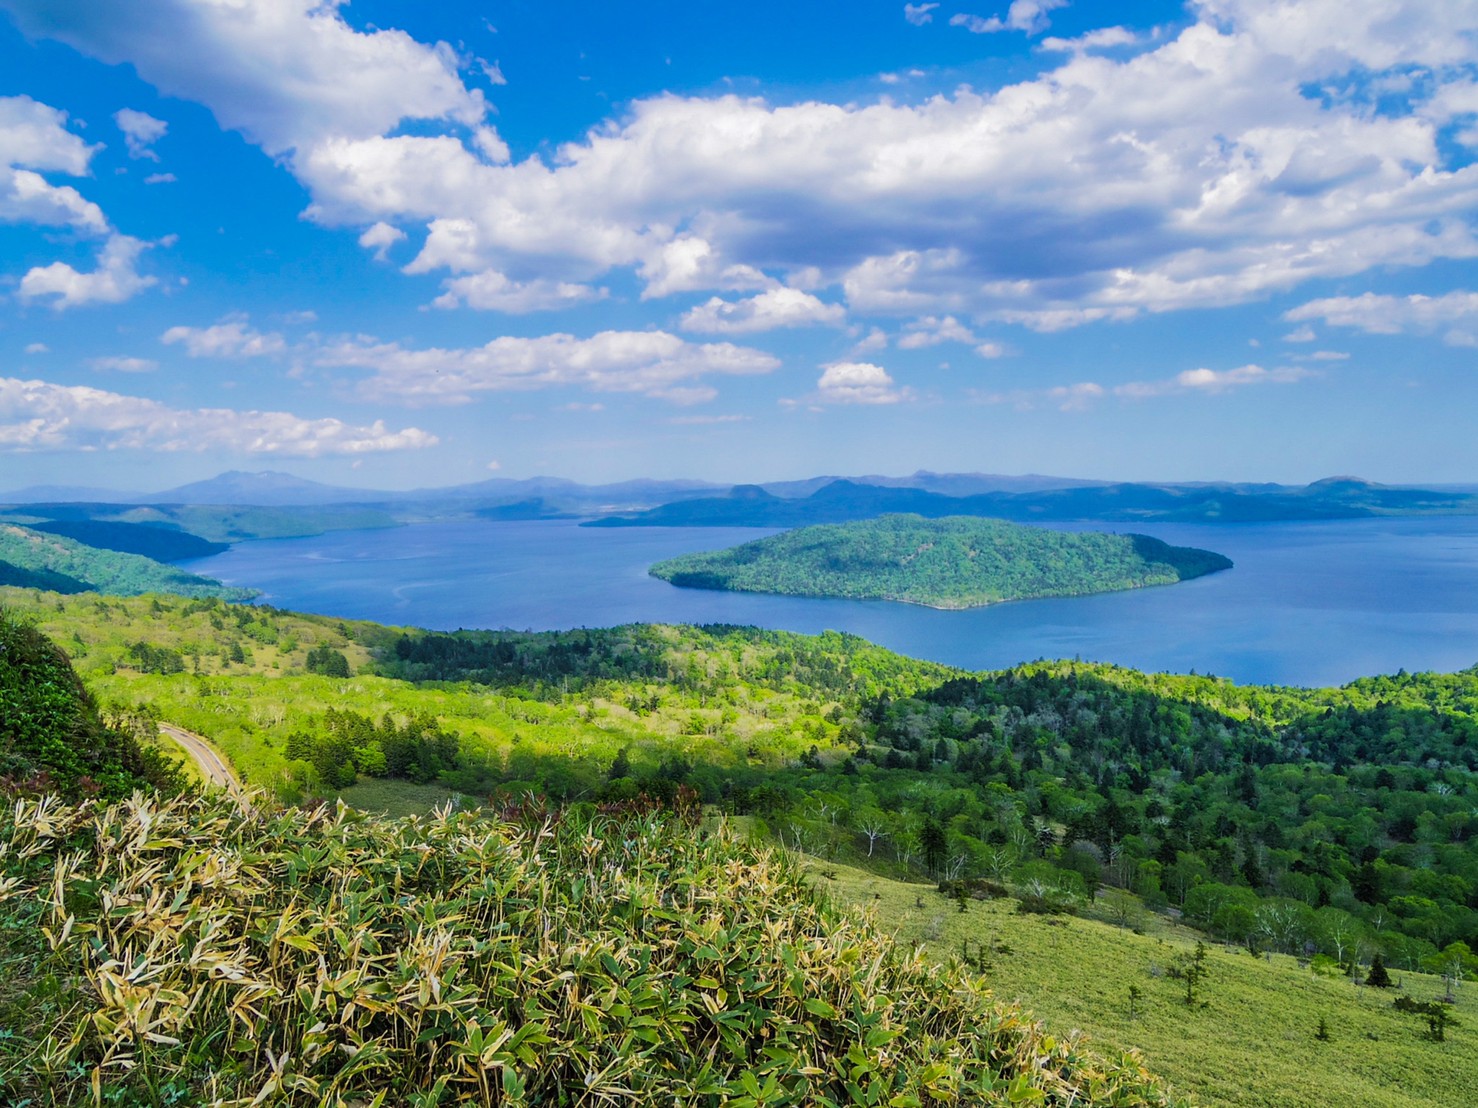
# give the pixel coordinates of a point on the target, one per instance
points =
(397, 245)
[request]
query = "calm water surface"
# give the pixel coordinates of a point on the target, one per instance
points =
(1307, 604)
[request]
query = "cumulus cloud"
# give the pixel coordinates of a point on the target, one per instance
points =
(933, 330)
(858, 383)
(38, 415)
(233, 338)
(120, 364)
(1098, 190)
(286, 73)
(37, 348)
(494, 291)
(140, 132)
(653, 363)
(775, 308)
(1454, 313)
(380, 238)
(33, 140)
(919, 14)
(114, 279)
(1029, 16)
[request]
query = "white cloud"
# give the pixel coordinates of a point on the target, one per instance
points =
(1102, 39)
(858, 383)
(380, 238)
(287, 73)
(876, 339)
(37, 348)
(1075, 398)
(230, 339)
(494, 291)
(140, 132)
(653, 363)
(1301, 334)
(160, 179)
(774, 308)
(1454, 313)
(1206, 381)
(123, 364)
(1082, 395)
(1100, 189)
(933, 330)
(1029, 16)
(919, 14)
(991, 350)
(33, 140)
(115, 279)
(38, 415)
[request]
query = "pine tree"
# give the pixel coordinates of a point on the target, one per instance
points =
(1378, 977)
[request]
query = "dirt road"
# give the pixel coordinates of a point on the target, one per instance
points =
(211, 764)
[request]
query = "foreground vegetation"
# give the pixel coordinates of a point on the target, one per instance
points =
(956, 562)
(184, 953)
(1331, 826)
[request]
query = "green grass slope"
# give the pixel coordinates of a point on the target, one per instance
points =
(1248, 1041)
(106, 571)
(51, 735)
(956, 562)
(184, 953)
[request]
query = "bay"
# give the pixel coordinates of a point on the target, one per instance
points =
(1306, 604)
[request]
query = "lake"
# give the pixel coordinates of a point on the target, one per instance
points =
(1307, 604)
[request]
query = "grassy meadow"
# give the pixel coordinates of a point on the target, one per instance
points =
(1248, 1041)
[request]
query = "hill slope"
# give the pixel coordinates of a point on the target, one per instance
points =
(311, 958)
(958, 562)
(110, 571)
(50, 730)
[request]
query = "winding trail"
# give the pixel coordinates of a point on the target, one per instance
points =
(211, 764)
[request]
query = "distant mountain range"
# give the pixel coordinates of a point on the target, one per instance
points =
(842, 501)
(272, 504)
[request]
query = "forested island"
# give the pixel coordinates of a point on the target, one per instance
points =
(955, 562)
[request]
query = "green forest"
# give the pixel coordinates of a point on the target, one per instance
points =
(1322, 832)
(955, 562)
(40, 559)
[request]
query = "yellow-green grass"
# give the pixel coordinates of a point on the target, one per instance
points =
(248, 709)
(396, 798)
(1249, 1040)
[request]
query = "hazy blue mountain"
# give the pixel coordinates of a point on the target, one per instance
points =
(842, 501)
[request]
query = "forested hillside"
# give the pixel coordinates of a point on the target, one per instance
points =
(35, 558)
(1333, 826)
(177, 952)
(958, 562)
(52, 736)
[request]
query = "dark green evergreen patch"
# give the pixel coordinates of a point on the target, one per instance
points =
(957, 562)
(51, 734)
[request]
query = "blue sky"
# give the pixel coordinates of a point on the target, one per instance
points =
(399, 245)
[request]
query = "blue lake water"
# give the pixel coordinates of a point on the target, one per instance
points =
(1307, 604)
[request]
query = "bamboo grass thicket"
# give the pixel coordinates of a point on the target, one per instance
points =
(181, 951)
